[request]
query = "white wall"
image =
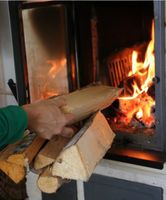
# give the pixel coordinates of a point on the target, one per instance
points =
(6, 56)
(7, 71)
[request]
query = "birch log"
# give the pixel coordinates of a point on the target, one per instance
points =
(15, 157)
(50, 152)
(81, 103)
(48, 183)
(80, 157)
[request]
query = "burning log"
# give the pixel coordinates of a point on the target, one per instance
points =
(119, 63)
(137, 101)
(135, 79)
(135, 104)
(139, 108)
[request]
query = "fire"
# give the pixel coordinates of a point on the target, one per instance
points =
(54, 76)
(56, 67)
(138, 104)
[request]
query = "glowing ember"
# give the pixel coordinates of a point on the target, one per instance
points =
(136, 103)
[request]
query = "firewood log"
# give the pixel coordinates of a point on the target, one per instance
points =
(15, 157)
(48, 183)
(81, 103)
(81, 155)
(50, 152)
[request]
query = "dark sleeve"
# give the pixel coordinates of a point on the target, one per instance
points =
(13, 122)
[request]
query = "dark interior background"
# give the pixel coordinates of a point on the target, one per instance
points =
(120, 24)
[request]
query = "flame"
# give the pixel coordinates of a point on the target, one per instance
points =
(56, 67)
(139, 114)
(139, 104)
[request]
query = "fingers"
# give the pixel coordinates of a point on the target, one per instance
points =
(67, 117)
(70, 118)
(58, 101)
(67, 132)
(64, 118)
(47, 120)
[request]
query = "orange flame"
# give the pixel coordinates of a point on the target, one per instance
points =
(49, 88)
(56, 67)
(139, 105)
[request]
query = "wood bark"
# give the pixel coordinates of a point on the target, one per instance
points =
(50, 152)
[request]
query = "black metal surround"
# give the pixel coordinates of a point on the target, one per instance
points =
(19, 52)
(160, 86)
(78, 39)
(106, 188)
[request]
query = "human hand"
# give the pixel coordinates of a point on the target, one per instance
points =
(46, 119)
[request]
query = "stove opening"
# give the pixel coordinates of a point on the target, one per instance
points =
(120, 46)
(133, 69)
(122, 40)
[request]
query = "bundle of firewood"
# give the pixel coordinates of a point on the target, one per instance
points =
(62, 159)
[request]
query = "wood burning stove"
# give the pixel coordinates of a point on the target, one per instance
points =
(93, 42)
(118, 34)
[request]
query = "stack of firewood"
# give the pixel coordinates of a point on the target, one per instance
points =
(62, 159)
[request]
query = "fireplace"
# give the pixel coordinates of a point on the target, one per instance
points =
(114, 35)
(62, 46)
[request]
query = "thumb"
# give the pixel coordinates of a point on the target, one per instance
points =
(58, 101)
(68, 132)
(70, 118)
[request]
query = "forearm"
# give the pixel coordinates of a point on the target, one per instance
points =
(13, 121)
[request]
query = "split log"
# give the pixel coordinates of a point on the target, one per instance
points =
(80, 157)
(81, 103)
(48, 183)
(15, 157)
(50, 152)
